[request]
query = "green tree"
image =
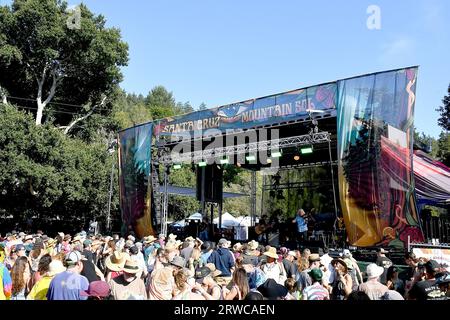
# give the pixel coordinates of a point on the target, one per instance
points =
(160, 102)
(45, 59)
(444, 110)
(48, 175)
(130, 110)
(444, 138)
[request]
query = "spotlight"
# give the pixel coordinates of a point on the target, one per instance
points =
(202, 164)
(250, 158)
(296, 157)
(276, 154)
(224, 161)
(238, 165)
(269, 160)
(306, 150)
(177, 166)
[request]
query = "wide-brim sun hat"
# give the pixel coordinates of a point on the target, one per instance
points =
(374, 271)
(116, 261)
(272, 253)
(214, 271)
(131, 266)
(149, 239)
(178, 261)
(253, 245)
(341, 262)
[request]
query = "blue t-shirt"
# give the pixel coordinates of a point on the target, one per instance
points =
(301, 224)
(67, 286)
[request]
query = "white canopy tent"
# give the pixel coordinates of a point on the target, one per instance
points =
(228, 221)
(195, 216)
(246, 221)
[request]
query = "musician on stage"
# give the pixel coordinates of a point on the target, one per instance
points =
(262, 230)
(302, 226)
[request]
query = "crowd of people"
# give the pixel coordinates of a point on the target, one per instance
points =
(95, 267)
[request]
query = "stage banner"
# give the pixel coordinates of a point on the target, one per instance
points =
(375, 138)
(134, 174)
(441, 255)
(269, 110)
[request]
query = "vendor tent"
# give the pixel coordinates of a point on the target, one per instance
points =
(195, 216)
(228, 221)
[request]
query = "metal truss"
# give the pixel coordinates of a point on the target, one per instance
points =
(167, 158)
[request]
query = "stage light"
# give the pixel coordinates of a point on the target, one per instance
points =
(276, 154)
(177, 166)
(238, 164)
(269, 160)
(306, 150)
(250, 158)
(202, 164)
(296, 157)
(224, 161)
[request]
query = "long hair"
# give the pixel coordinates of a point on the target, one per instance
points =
(44, 264)
(17, 275)
(112, 245)
(302, 264)
(180, 279)
(241, 281)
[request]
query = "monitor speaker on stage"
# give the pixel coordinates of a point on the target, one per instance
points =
(213, 183)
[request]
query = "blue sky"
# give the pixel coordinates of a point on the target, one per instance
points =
(220, 52)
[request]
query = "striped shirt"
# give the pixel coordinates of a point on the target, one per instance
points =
(315, 292)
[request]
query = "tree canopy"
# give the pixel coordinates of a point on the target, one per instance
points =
(61, 69)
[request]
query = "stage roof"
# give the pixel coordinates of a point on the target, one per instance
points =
(191, 192)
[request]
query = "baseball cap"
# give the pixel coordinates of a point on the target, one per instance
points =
(87, 242)
(223, 241)
(73, 257)
(316, 274)
(96, 289)
(292, 253)
(19, 247)
(432, 266)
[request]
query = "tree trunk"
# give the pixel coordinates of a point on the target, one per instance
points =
(3, 95)
(42, 104)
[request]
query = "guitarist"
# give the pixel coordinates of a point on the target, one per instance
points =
(262, 230)
(302, 226)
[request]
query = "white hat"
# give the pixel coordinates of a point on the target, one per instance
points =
(374, 271)
(292, 253)
(347, 253)
(55, 267)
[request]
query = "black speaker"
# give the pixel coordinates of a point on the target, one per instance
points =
(213, 180)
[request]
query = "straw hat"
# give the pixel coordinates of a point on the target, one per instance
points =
(272, 253)
(76, 239)
(253, 245)
(214, 271)
(55, 267)
(237, 246)
(341, 262)
(116, 261)
(131, 267)
(172, 236)
(50, 243)
(149, 239)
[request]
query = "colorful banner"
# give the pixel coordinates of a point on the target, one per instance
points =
(252, 113)
(441, 255)
(134, 174)
(375, 137)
